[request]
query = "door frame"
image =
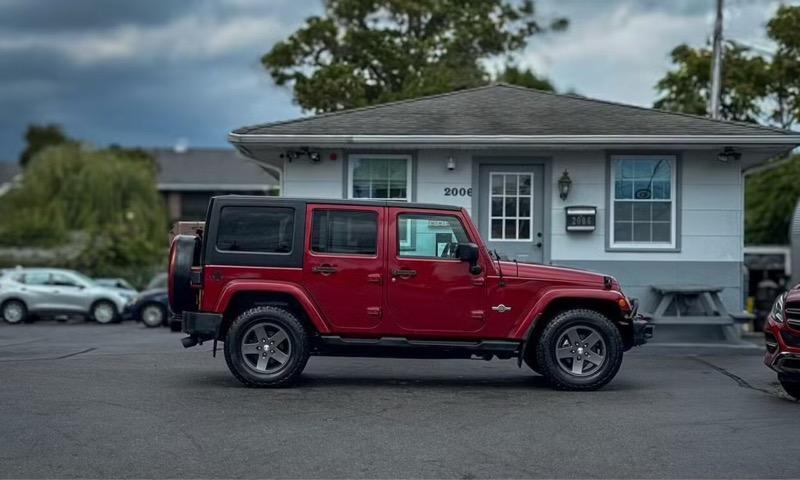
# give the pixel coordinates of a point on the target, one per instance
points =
(523, 160)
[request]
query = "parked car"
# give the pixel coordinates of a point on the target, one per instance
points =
(279, 280)
(26, 292)
(122, 285)
(150, 306)
(782, 335)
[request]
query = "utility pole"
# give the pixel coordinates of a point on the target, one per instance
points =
(716, 65)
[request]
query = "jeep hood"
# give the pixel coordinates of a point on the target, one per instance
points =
(537, 271)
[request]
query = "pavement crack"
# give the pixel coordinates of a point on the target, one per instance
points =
(739, 380)
(75, 353)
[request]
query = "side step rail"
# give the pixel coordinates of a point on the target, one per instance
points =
(400, 347)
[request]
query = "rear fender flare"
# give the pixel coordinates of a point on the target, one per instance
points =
(259, 286)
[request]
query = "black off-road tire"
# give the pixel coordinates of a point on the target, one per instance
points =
(295, 330)
(791, 385)
(546, 346)
(175, 326)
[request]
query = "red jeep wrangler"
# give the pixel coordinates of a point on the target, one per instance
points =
(782, 335)
(278, 280)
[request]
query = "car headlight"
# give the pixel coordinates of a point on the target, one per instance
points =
(777, 308)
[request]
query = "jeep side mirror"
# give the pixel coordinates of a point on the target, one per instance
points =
(468, 252)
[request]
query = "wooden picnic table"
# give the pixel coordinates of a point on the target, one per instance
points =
(696, 305)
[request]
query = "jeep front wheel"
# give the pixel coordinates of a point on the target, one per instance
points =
(579, 350)
(266, 347)
(791, 384)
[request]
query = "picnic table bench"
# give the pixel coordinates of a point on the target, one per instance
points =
(697, 306)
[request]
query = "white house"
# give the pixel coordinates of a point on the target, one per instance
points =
(655, 198)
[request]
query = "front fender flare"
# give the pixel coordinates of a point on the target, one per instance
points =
(524, 330)
(260, 286)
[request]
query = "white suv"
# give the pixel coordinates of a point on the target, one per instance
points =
(49, 291)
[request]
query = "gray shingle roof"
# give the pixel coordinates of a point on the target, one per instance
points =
(501, 109)
(219, 168)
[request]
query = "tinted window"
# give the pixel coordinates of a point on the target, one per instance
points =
(63, 280)
(341, 231)
(36, 278)
(433, 236)
(256, 229)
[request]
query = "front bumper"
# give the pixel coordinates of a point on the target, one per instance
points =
(201, 326)
(783, 347)
(642, 330)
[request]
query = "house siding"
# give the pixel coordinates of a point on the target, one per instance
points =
(710, 211)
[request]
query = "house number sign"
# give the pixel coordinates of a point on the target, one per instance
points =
(581, 219)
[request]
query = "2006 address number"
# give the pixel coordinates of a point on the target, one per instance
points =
(457, 192)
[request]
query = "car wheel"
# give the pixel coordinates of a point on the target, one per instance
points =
(104, 312)
(14, 311)
(791, 385)
(153, 315)
(267, 347)
(579, 350)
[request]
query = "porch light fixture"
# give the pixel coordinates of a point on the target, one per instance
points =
(451, 163)
(727, 154)
(305, 151)
(564, 184)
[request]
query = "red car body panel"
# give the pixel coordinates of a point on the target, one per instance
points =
(359, 296)
(783, 338)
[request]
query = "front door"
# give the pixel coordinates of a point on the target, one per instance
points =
(511, 210)
(430, 291)
(343, 266)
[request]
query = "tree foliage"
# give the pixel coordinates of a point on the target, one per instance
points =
(363, 52)
(784, 70)
(770, 199)
(39, 137)
(687, 88)
(109, 194)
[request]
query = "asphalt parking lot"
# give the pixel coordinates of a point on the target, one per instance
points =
(86, 400)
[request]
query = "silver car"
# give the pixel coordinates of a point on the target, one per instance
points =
(50, 291)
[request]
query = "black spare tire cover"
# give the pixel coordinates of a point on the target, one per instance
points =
(182, 254)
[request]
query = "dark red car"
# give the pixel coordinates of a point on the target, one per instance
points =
(281, 279)
(782, 332)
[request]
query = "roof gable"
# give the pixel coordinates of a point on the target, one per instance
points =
(501, 109)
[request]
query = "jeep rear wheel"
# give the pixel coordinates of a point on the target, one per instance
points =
(266, 347)
(579, 350)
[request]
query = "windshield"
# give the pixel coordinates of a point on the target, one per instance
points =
(159, 281)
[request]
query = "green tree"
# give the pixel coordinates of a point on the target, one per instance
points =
(686, 88)
(363, 52)
(784, 86)
(108, 195)
(39, 137)
(770, 199)
(524, 78)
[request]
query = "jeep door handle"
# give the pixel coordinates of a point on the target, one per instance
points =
(404, 273)
(324, 269)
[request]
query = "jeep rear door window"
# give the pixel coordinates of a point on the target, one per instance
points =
(344, 231)
(433, 236)
(256, 229)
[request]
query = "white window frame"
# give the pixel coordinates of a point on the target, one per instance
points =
(672, 244)
(351, 161)
(517, 217)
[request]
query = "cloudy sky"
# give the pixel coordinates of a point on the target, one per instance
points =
(151, 72)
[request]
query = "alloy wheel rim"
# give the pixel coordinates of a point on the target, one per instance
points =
(151, 315)
(266, 348)
(103, 313)
(12, 313)
(580, 351)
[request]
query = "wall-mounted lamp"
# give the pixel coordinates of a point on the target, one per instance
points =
(451, 163)
(564, 184)
(727, 154)
(305, 151)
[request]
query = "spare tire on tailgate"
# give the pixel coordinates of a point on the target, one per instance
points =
(183, 255)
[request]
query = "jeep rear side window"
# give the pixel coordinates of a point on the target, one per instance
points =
(344, 231)
(256, 229)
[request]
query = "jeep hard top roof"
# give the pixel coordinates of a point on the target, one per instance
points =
(268, 200)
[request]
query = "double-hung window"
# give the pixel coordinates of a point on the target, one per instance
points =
(379, 177)
(642, 204)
